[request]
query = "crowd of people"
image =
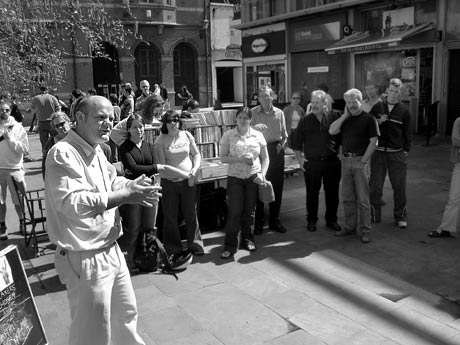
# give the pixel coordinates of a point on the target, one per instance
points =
(96, 213)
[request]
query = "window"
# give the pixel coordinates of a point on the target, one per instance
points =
(258, 9)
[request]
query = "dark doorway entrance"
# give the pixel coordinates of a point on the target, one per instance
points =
(225, 87)
(453, 101)
(106, 70)
(185, 70)
(148, 63)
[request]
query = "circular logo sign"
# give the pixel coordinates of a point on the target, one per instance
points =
(259, 45)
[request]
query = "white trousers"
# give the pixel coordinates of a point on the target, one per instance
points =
(101, 297)
(451, 215)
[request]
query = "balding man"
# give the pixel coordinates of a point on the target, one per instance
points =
(82, 195)
(271, 122)
(145, 89)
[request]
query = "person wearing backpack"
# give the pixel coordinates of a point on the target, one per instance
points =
(177, 147)
(137, 156)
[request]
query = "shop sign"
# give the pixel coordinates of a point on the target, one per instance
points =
(233, 53)
(364, 48)
(318, 69)
(271, 43)
(307, 36)
(259, 45)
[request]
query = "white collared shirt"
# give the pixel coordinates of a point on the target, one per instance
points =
(78, 179)
(233, 144)
(12, 150)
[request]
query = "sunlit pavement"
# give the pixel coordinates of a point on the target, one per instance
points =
(298, 287)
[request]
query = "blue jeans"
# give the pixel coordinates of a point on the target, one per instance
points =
(175, 195)
(355, 195)
(396, 165)
(242, 196)
(135, 219)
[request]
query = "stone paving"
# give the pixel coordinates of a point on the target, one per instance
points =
(300, 287)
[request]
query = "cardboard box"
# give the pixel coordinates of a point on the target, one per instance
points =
(212, 169)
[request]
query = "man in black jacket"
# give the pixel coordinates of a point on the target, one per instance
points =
(391, 155)
(316, 151)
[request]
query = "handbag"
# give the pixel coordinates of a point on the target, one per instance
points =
(266, 193)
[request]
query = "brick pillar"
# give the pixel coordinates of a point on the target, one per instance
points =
(167, 75)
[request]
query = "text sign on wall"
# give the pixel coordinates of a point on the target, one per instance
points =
(318, 69)
(19, 319)
(314, 36)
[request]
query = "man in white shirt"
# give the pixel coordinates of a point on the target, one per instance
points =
(145, 88)
(82, 195)
(13, 146)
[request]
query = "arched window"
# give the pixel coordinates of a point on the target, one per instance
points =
(148, 63)
(186, 69)
(106, 70)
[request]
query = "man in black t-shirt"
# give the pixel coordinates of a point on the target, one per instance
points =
(316, 151)
(359, 133)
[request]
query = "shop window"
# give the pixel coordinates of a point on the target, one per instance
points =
(272, 75)
(258, 9)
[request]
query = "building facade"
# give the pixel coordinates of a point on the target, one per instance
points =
(349, 43)
(226, 65)
(172, 48)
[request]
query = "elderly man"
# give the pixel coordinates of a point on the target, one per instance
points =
(359, 137)
(43, 106)
(391, 155)
(13, 145)
(145, 92)
(82, 195)
(319, 162)
(270, 121)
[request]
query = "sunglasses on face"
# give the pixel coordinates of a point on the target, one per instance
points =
(295, 97)
(175, 120)
(5, 110)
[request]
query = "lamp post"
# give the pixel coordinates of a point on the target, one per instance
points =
(206, 42)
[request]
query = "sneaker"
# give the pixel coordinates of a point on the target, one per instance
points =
(180, 261)
(311, 227)
(402, 224)
(248, 245)
(333, 226)
(365, 238)
(278, 227)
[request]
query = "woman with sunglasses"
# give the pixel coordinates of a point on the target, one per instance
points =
(138, 158)
(174, 147)
(245, 150)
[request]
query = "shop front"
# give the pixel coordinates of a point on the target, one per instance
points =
(310, 66)
(397, 48)
(264, 60)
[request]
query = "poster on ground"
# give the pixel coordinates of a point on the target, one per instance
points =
(20, 322)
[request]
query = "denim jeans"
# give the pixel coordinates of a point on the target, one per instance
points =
(396, 165)
(175, 195)
(326, 172)
(355, 195)
(275, 174)
(451, 216)
(135, 219)
(242, 196)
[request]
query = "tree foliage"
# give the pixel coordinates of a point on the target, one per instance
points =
(36, 37)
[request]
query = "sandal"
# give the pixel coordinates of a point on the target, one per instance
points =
(226, 254)
(439, 234)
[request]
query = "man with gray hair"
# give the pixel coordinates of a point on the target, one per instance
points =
(359, 133)
(144, 85)
(270, 121)
(83, 193)
(316, 151)
(391, 155)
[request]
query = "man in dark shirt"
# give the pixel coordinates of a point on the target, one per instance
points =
(319, 162)
(359, 137)
(393, 147)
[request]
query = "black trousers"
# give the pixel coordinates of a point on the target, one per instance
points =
(326, 172)
(275, 174)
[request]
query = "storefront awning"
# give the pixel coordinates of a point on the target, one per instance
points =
(363, 41)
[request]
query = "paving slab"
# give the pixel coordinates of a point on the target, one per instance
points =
(299, 337)
(232, 316)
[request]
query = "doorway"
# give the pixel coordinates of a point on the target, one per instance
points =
(225, 86)
(148, 62)
(185, 70)
(453, 101)
(106, 70)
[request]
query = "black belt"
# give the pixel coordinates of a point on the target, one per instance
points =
(274, 142)
(322, 158)
(352, 154)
